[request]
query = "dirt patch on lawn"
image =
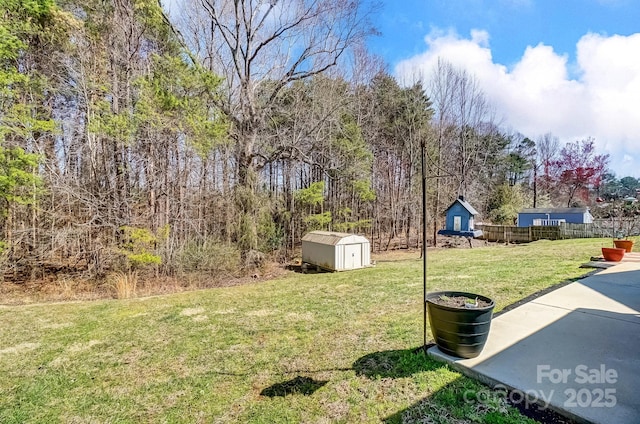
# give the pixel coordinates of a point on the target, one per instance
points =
(21, 348)
(403, 253)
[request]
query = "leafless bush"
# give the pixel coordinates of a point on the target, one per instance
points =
(125, 284)
(211, 257)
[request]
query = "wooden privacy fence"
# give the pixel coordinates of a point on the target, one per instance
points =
(513, 234)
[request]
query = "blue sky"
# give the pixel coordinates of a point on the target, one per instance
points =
(569, 67)
(512, 24)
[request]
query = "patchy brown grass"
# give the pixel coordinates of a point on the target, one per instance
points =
(62, 288)
(67, 288)
(339, 345)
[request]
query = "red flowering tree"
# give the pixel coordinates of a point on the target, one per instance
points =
(579, 170)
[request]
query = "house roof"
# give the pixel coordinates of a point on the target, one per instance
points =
(556, 210)
(332, 238)
(466, 205)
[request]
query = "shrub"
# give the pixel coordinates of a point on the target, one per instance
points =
(270, 234)
(209, 256)
(139, 245)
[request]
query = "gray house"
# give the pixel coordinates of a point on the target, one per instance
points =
(534, 217)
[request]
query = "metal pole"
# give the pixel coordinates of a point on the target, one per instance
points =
(424, 246)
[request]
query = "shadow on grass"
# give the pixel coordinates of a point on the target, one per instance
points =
(458, 401)
(298, 385)
(395, 363)
(462, 400)
(387, 364)
(307, 269)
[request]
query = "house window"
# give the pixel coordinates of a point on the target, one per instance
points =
(548, 222)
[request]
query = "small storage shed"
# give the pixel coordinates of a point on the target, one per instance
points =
(534, 217)
(460, 220)
(336, 251)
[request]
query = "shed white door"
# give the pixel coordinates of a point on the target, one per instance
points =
(352, 256)
(457, 223)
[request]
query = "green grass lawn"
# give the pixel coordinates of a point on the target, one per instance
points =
(333, 347)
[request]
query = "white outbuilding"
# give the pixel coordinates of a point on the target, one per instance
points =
(336, 251)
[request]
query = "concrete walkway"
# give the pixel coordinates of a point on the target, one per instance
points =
(576, 349)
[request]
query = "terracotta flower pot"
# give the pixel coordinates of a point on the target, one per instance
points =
(612, 254)
(627, 245)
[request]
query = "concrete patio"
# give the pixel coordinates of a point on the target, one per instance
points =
(575, 349)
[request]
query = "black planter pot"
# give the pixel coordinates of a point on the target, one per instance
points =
(457, 331)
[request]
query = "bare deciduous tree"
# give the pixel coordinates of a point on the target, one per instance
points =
(260, 47)
(465, 133)
(547, 148)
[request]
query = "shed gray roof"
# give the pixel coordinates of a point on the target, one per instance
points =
(331, 238)
(555, 210)
(466, 205)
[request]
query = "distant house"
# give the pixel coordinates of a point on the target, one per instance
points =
(460, 220)
(534, 217)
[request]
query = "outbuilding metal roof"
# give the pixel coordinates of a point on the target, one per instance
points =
(465, 205)
(330, 237)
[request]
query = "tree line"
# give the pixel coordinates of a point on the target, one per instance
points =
(207, 140)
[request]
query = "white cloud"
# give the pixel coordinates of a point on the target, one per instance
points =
(537, 95)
